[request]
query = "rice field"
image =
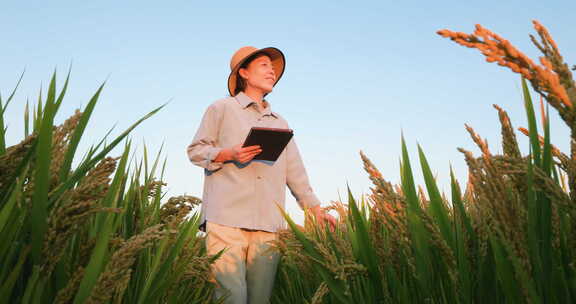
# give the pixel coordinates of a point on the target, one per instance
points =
(102, 231)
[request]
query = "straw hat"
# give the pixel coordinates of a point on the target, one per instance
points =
(245, 53)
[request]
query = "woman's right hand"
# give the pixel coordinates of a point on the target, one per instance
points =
(239, 154)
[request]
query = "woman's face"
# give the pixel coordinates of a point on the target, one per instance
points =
(259, 74)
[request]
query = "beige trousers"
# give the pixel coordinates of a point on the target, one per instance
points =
(246, 270)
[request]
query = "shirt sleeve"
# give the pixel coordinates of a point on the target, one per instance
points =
(204, 148)
(297, 178)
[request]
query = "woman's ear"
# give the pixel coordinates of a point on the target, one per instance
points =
(243, 73)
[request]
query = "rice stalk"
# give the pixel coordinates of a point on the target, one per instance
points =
(114, 279)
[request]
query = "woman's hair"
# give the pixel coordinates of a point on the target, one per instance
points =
(240, 82)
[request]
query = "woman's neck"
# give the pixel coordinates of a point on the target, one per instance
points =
(254, 94)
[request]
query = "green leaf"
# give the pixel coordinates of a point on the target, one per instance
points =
(507, 264)
(533, 223)
(105, 226)
(2, 132)
(2, 111)
(437, 209)
(26, 120)
(31, 283)
(336, 287)
(545, 206)
(90, 163)
(111, 198)
(39, 111)
(154, 166)
(161, 276)
(532, 126)
(505, 272)
(463, 232)
(366, 251)
(77, 135)
(547, 154)
(420, 237)
(42, 174)
(62, 93)
(408, 186)
(6, 210)
(8, 284)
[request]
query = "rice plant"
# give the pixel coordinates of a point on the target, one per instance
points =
(509, 237)
(96, 232)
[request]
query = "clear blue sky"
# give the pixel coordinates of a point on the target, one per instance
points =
(358, 74)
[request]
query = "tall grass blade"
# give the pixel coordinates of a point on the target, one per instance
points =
(7, 287)
(437, 208)
(422, 254)
(90, 163)
(39, 111)
(2, 131)
(463, 232)
(62, 92)
(547, 147)
(532, 126)
(3, 106)
(42, 174)
(31, 285)
(336, 287)
(26, 120)
(367, 254)
(408, 185)
(7, 102)
(105, 225)
(163, 278)
(77, 135)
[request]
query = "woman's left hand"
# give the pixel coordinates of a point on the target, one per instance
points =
(322, 217)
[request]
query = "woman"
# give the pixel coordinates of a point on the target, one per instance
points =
(241, 195)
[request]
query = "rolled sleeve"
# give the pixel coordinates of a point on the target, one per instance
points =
(204, 148)
(297, 178)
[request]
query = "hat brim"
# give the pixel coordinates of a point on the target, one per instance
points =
(278, 62)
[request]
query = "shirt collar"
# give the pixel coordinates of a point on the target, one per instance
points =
(245, 101)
